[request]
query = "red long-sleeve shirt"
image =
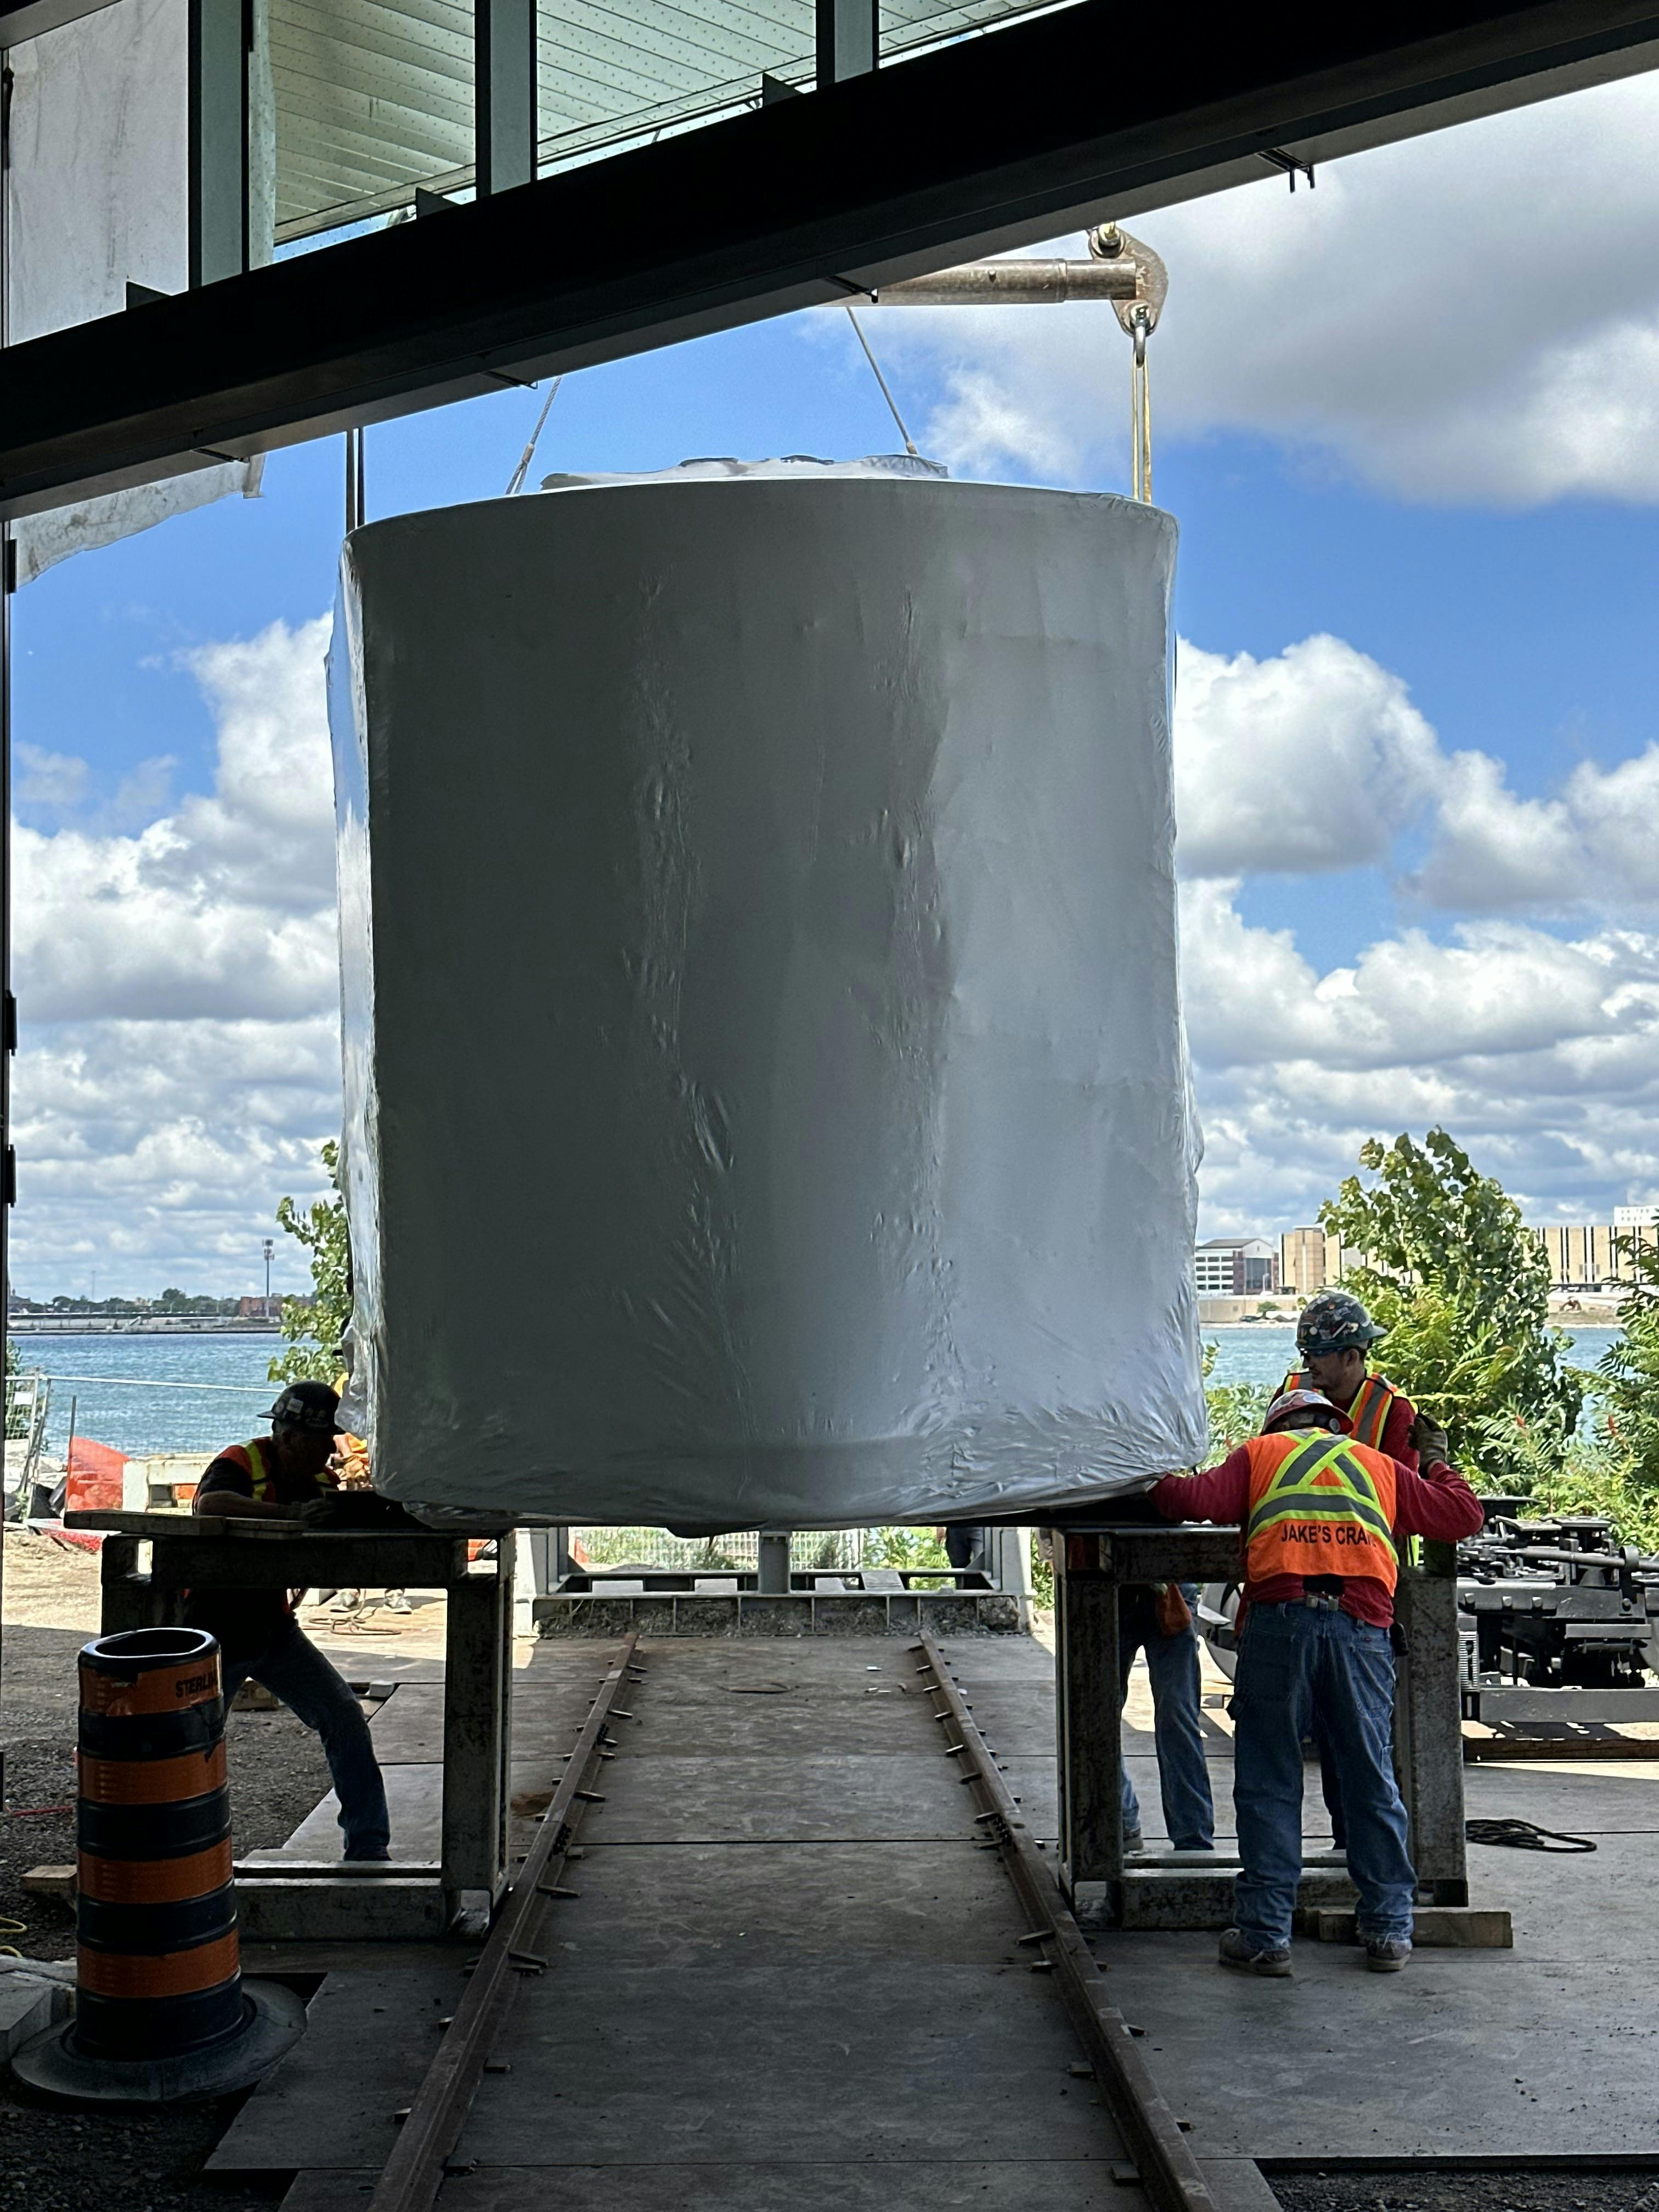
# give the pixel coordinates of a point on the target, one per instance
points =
(1437, 1504)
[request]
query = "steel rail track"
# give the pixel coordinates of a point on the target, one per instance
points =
(1169, 2173)
(413, 2175)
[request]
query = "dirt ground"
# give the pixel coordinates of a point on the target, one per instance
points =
(55, 2159)
(277, 1773)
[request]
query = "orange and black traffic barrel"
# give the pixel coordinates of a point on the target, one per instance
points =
(157, 1968)
(161, 2009)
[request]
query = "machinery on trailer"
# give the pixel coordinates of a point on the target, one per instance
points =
(1557, 1620)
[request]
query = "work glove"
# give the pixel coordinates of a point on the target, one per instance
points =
(356, 1509)
(1428, 1441)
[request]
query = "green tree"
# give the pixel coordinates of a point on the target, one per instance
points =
(314, 1327)
(1447, 1267)
(1630, 1371)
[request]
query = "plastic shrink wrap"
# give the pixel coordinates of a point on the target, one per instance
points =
(766, 1100)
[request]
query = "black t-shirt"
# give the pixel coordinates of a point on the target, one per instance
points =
(247, 1622)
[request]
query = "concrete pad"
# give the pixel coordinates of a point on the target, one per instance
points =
(908, 2061)
(710, 1905)
(1580, 1797)
(414, 1798)
(670, 1799)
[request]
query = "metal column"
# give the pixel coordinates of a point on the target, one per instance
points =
(1088, 1695)
(504, 61)
(848, 40)
(773, 1578)
(220, 39)
(1428, 1724)
(477, 1739)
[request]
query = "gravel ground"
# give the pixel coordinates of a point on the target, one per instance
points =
(1415, 2190)
(53, 2159)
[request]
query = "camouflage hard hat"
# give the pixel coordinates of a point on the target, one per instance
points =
(1305, 1409)
(1335, 1322)
(307, 1405)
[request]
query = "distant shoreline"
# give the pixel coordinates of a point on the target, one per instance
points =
(37, 1325)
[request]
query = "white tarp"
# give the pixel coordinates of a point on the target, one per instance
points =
(766, 1094)
(96, 190)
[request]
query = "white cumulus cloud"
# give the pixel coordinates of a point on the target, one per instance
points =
(1473, 315)
(177, 990)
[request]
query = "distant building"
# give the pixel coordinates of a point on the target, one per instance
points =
(1587, 1255)
(1310, 1259)
(1234, 1267)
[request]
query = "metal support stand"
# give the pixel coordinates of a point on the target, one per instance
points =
(774, 1563)
(287, 1898)
(478, 1714)
(1194, 1889)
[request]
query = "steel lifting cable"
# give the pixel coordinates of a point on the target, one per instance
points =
(515, 482)
(875, 367)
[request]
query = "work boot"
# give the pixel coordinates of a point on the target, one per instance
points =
(1133, 1840)
(1238, 1951)
(1387, 1954)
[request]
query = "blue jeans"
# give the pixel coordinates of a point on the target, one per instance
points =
(1184, 1779)
(1297, 1661)
(294, 1670)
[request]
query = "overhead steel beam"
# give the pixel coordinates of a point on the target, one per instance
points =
(29, 19)
(994, 142)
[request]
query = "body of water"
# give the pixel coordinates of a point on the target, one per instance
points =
(193, 1393)
(153, 1393)
(1251, 1352)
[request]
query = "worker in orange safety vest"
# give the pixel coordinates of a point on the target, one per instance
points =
(1321, 1518)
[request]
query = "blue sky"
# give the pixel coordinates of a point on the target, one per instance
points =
(1448, 917)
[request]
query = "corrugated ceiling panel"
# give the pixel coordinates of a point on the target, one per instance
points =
(372, 99)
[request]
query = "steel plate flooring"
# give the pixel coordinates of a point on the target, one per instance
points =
(1544, 2052)
(793, 1975)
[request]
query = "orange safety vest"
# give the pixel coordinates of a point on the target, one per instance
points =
(1373, 1402)
(1319, 1504)
(264, 1482)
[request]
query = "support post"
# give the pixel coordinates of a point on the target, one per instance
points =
(1088, 1696)
(504, 62)
(1428, 1724)
(848, 39)
(129, 1600)
(219, 42)
(477, 1719)
(773, 1579)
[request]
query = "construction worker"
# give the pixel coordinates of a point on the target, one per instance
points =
(1333, 1334)
(1157, 1617)
(1320, 1518)
(287, 1475)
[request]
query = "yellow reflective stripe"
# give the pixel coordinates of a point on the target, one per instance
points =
(1307, 1461)
(1373, 1403)
(261, 1480)
(1318, 1506)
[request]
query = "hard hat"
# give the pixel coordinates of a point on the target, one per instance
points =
(1335, 1322)
(307, 1405)
(1289, 1403)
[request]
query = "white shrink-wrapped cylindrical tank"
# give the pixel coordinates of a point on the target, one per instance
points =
(766, 1094)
